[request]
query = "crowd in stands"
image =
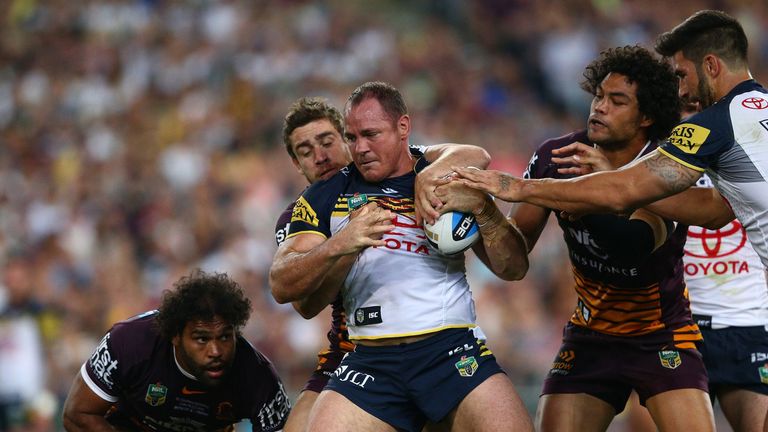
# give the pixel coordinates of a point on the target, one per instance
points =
(140, 139)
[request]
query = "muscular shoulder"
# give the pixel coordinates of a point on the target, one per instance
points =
(540, 165)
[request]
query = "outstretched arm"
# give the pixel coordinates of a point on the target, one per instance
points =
(305, 263)
(503, 249)
(442, 158)
(646, 180)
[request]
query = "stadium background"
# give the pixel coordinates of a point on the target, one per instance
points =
(141, 139)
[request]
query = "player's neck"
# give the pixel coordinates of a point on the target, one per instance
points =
(620, 155)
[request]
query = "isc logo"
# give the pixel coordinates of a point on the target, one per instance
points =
(463, 228)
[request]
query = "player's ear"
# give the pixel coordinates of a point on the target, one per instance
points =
(176, 341)
(296, 164)
(711, 65)
(404, 126)
(646, 121)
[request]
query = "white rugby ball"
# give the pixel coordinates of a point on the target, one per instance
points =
(453, 232)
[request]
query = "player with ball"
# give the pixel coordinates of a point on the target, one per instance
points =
(409, 306)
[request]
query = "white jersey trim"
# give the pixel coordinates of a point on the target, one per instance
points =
(94, 387)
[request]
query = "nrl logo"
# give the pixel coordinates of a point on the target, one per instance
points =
(467, 366)
(670, 359)
(156, 394)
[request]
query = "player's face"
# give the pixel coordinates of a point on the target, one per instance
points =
(695, 86)
(614, 118)
(320, 151)
(206, 349)
(379, 145)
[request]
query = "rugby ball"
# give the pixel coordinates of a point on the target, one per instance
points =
(453, 232)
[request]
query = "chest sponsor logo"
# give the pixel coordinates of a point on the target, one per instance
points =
(274, 412)
(715, 246)
(467, 366)
(755, 103)
(102, 362)
(156, 394)
(303, 212)
(584, 238)
(689, 137)
(670, 359)
(368, 315)
(389, 191)
(759, 357)
(360, 379)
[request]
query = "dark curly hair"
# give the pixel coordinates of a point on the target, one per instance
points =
(705, 32)
(202, 296)
(656, 84)
(306, 110)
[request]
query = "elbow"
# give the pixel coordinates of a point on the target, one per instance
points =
(280, 294)
(305, 310)
(516, 271)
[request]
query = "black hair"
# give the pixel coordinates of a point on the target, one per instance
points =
(202, 296)
(388, 96)
(657, 87)
(307, 110)
(706, 32)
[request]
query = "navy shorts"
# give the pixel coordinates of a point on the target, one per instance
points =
(610, 367)
(736, 356)
(327, 362)
(406, 384)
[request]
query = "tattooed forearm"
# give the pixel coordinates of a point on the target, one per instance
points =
(675, 176)
(505, 181)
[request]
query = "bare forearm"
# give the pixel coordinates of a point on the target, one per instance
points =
(703, 207)
(444, 156)
(296, 275)
(314, 303)
(504, 250)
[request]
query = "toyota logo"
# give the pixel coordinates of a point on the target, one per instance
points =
(712, 241)
(754, 103)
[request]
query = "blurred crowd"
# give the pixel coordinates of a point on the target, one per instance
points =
(140, 139)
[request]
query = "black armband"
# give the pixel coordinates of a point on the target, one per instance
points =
(627, 241)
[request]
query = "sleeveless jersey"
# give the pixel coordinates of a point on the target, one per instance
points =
(402, 289)
(620, 299)
(338, 335)
(726, 280)
(729, 141)
(136, 369)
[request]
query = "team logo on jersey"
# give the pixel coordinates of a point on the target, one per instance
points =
(755, 103)
(303, 212)
(356, 201)
(467, 366)
(156, 394)
(670, 359)
(763, 371)
(689, 137)
(368, 316)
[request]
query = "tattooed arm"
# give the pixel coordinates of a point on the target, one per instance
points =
(644, 181)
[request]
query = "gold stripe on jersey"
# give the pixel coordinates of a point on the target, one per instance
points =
(618, 311)
(684, 337)
(397, 205)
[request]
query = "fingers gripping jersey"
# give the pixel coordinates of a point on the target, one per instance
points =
(137, 370)
(729, 140)
(404, 288)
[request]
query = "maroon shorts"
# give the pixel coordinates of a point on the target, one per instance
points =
(610, 367)
(327, 362)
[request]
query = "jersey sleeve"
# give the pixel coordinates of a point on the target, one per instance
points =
(101, 372)
(283, 225)
(311, 212)
(698, 142)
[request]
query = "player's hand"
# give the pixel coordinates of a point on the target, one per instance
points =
(458, 197)
(426, 202)
(582, 158)
(497, 183)
(367, 226)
